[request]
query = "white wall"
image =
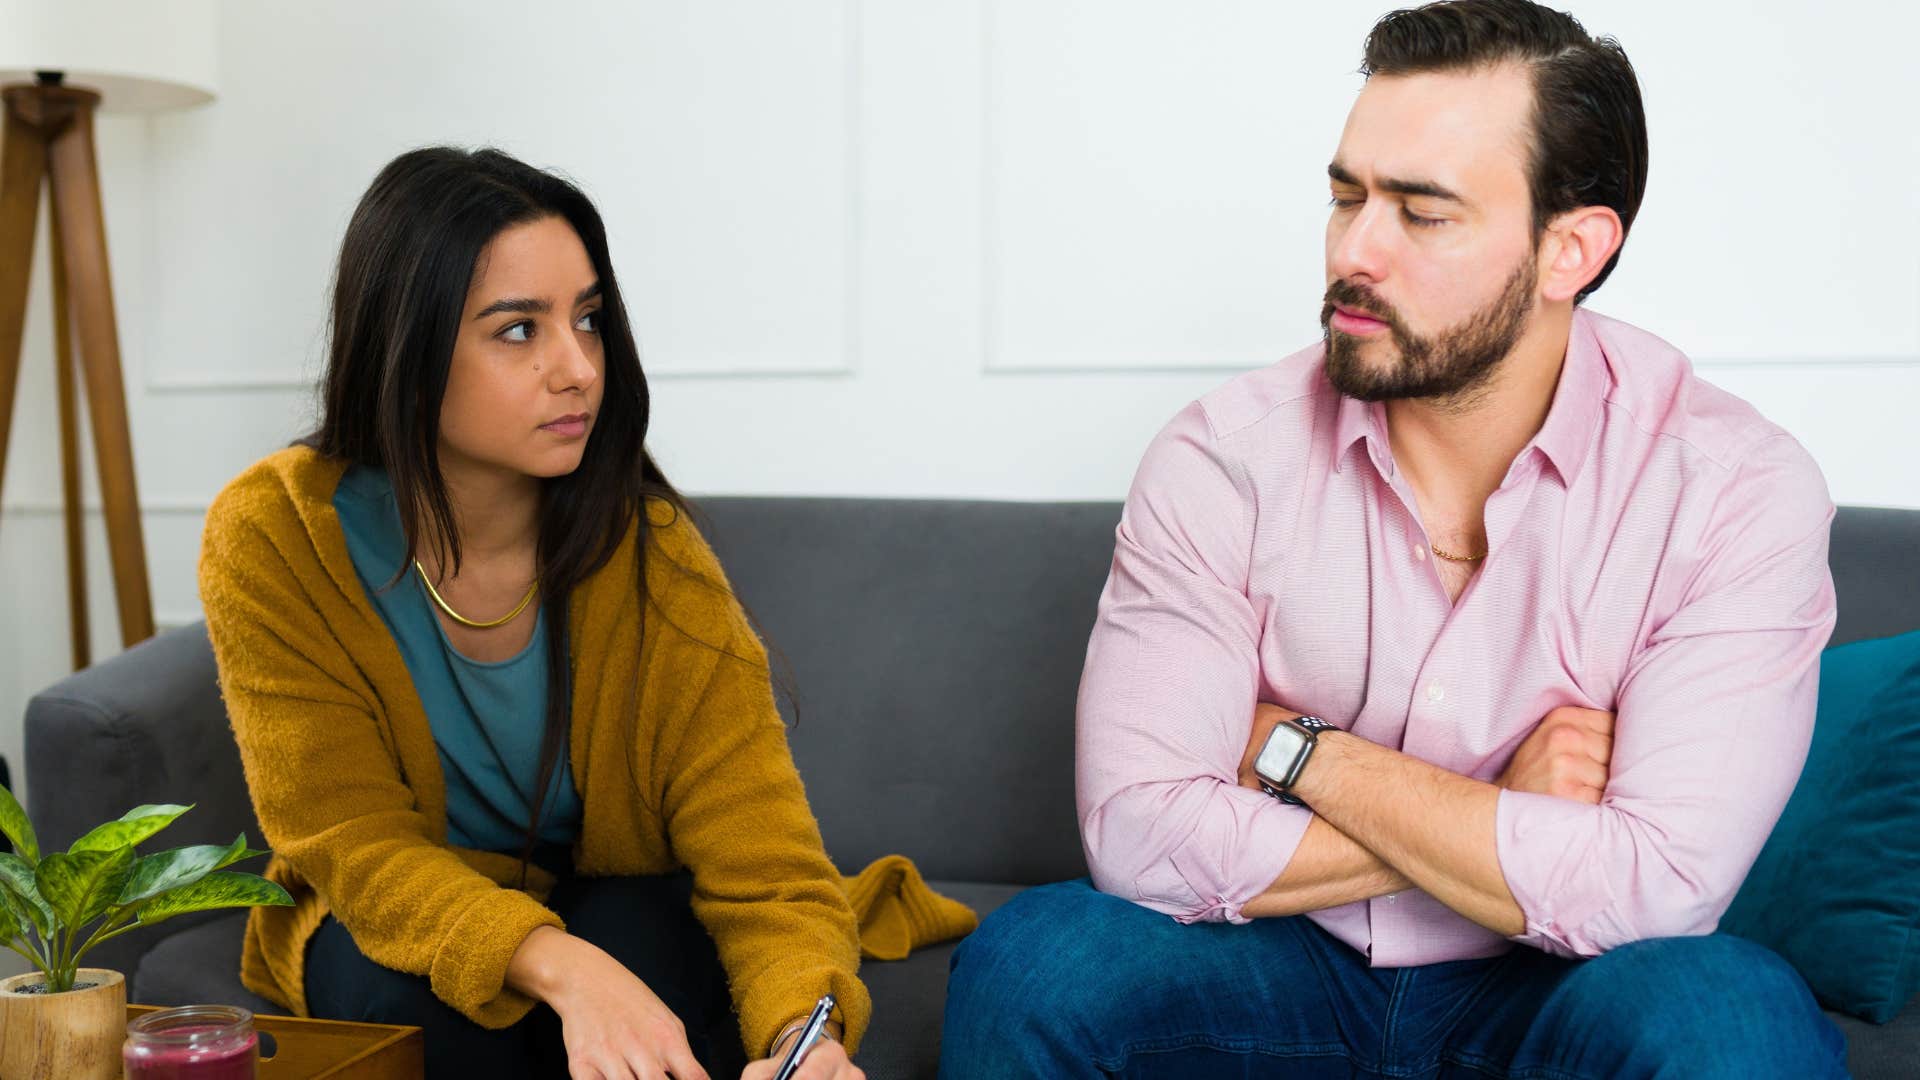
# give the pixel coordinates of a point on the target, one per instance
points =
(940, 248)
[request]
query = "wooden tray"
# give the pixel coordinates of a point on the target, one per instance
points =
(330, 1049)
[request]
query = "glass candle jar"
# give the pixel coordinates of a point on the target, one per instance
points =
(197, 1042)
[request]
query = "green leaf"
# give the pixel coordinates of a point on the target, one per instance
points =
(81, 885)
(18, 887)
(220, 889)
(13, 822)
(134, 826)
(156, 873)
(9, 924)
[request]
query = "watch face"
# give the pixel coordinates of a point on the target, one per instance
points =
(1277, 757)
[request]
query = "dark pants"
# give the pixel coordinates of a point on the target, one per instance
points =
(1068, 982)
(645, 923)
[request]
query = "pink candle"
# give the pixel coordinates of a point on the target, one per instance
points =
(198, 1042)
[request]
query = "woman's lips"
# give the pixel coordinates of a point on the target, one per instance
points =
(567, 427)
(1352, 322)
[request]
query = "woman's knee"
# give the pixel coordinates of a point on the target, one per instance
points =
(342, 984)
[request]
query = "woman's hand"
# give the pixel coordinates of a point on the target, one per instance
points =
(826, 1061)
(614, 1027)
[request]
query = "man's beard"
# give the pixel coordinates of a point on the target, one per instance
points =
(1452, 365)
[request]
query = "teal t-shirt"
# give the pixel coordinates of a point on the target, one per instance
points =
(487, 718)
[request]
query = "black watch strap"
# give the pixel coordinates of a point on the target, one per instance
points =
(1311, 723)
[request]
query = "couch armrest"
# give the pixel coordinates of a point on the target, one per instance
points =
(146, 726)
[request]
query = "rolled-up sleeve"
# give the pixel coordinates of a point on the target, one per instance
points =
(1167, 697)
(1712, 725)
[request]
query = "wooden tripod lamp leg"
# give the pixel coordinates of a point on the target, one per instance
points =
(83, 236)
(78, 622)
(23, 163)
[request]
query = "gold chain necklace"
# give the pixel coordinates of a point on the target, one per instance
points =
(1436, 552)
(462, 619)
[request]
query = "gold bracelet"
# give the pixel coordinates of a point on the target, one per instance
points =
(793, 1027)
(797, 1025)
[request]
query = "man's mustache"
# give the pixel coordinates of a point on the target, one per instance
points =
(1347, 294)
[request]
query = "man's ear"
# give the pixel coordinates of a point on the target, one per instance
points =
(1576, 248)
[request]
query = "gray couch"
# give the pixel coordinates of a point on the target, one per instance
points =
(937, 647)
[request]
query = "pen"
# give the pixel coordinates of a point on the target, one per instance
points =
(816, 1023)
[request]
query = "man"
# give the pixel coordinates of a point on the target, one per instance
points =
(1557, 604)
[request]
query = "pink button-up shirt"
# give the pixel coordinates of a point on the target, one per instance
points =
(1658, 551)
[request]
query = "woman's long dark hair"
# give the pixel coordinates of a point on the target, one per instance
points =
(405, 269)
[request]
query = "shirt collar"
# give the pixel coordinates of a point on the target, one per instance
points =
(1355, 420)
(1578, 401)
(1565, 437)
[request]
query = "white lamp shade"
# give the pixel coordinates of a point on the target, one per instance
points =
(140, 55)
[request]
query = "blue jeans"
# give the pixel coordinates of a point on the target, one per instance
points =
(1065, 981)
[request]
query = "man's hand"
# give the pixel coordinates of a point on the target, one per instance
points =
(1265, 718)
(1566, 756)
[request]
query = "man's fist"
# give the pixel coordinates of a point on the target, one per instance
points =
(1566, 756)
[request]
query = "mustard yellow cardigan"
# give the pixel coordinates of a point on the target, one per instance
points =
(677, 749)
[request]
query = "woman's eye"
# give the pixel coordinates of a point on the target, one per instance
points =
(590, 322)
(520, 331)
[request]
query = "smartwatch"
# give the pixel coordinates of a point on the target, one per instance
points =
(1288, 747)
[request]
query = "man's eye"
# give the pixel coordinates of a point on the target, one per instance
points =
(1344, 204)
(1421, 222)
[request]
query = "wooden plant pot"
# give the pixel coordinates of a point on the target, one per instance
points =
(72, 1036)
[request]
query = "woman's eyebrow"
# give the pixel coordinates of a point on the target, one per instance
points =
(527, 305)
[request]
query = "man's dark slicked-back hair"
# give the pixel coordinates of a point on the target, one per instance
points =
(1589, 127)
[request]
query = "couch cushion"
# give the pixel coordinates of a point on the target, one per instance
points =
(910, 996)
(198, 966)
(1889, 1051)
(1876, 579)
(937, 648)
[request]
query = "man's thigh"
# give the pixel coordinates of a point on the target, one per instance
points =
(1696, 1007)
(1067, 981)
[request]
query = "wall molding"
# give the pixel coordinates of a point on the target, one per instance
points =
(219, 383)
(1813, 364)
(92, 508)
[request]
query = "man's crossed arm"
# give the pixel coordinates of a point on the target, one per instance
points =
(1384, 821)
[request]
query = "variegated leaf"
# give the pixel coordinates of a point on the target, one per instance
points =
(220, 889)
(134, 826)
(79, 886)
(13, 822)
(18, 885)
(156, 873)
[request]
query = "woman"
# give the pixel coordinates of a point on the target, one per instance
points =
(507, 731)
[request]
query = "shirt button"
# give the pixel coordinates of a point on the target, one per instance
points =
(1420, 552)
(1391, 897)
(1436, 693)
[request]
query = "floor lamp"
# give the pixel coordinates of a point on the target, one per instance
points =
(60, 63)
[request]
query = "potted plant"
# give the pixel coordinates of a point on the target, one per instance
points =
(65, 1020)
